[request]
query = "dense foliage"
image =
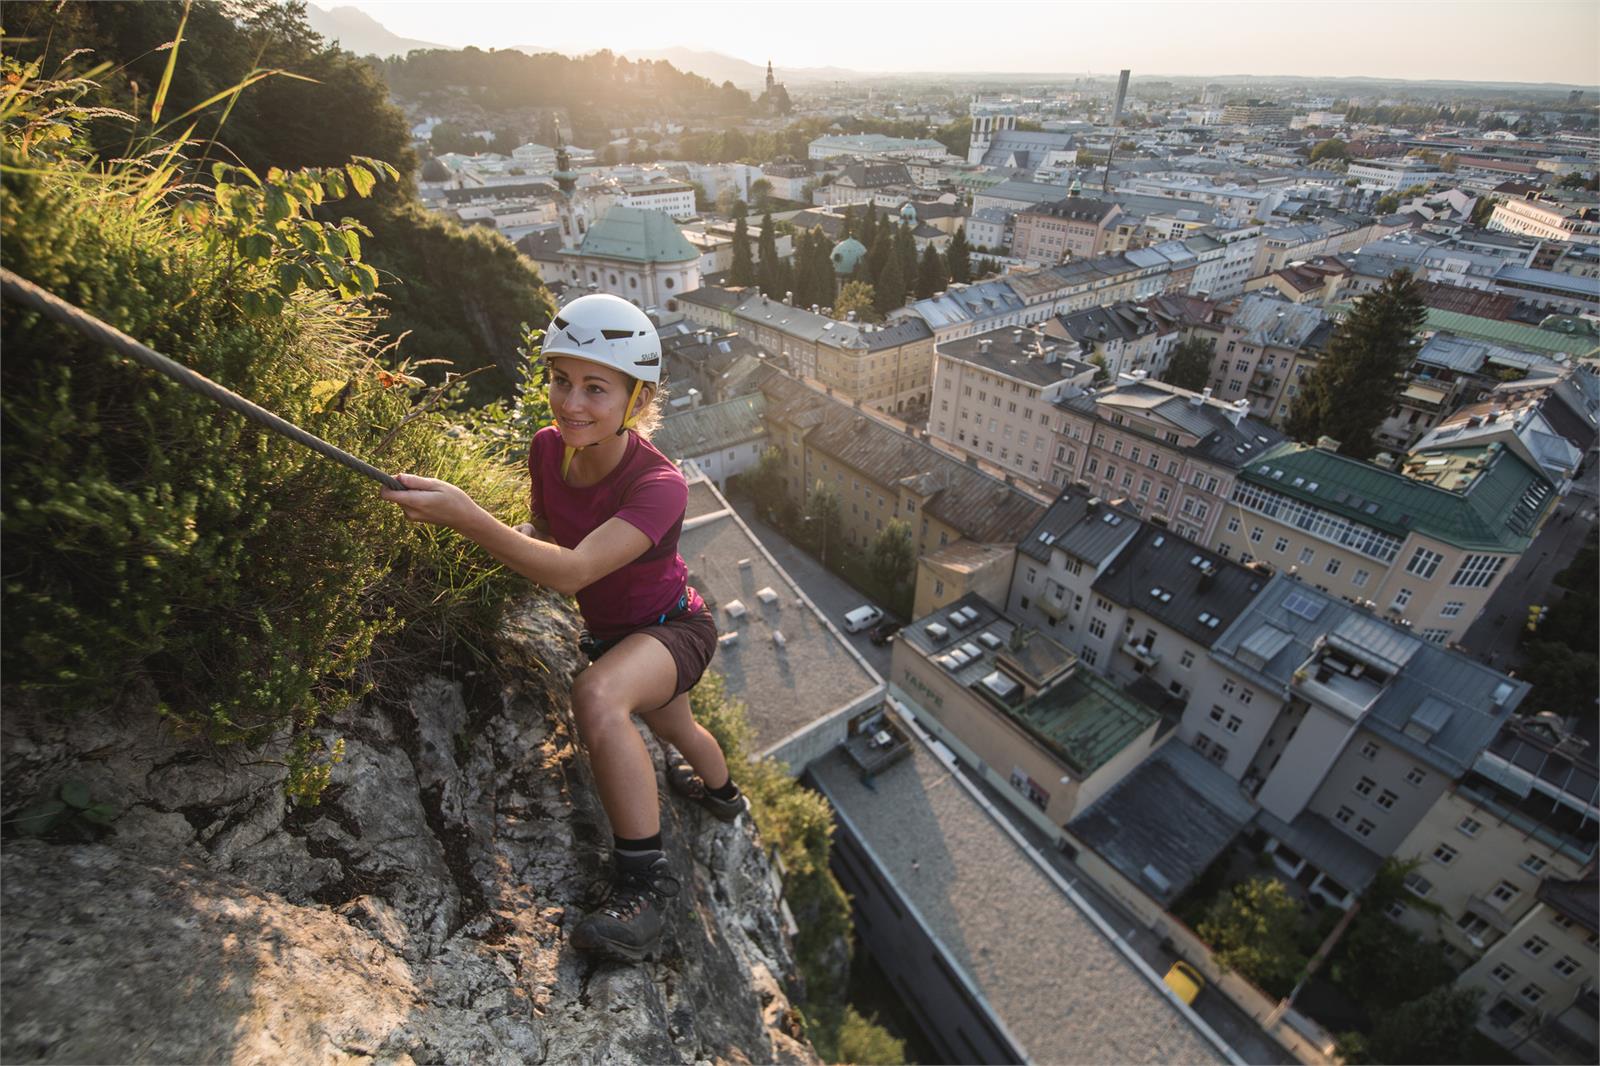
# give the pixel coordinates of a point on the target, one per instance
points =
(155, 545)
(1356, 384)
(460, 294)
(1189, 364)
(1255, 929)
(1559, 656)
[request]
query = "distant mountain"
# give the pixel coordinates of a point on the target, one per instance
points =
(358, 32)
(718, 68)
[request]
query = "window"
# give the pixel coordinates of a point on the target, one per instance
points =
(1502, 973)
(1419, 885)
(1233, 523)
(1451, 609)
(1218, 754)
(1202, 743)
(1229, 686)
(1566, 966)
(1097, 627)
(1396, 910)
(1477, 571)
(1402, 597)
(1364, 828)
(1234, 722)
(1535, 946)
(1089, 656)
(1333, 566)
(1369, 749)
(1255, 534)
(1365, 786)
(1343, 815)
(1186, 660)
(1532, 993)
(1444, 854)
(1217, 713)
(1435, 636)
(1163, 494)
(1469, 826)
(1504, 893)
(1533, 864)
(1416, 775)
(1246, 695)
(1281, 545)
(1386, 800)
(1360, 578)
(1424, 563)
(1306, 555)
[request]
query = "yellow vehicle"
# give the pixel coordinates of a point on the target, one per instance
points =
(1185, 980)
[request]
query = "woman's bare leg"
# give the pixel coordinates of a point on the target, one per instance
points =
(638, 673)
(675, 724)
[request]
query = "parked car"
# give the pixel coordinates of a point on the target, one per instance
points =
(862, 617)
(883, 632)
(1185, 980)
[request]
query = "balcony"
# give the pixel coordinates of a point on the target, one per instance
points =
(1336, 686)
(1142, 654)
(1263, 382)
(1489, 911)
(878, 744)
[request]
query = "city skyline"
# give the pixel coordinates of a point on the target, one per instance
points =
(1445, 40)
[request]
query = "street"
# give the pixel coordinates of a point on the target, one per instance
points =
(834, 596)
(1493, 637)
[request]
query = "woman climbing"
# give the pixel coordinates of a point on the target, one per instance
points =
(607, 512)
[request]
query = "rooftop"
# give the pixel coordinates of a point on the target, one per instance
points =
(700, 430)
(1187, 588)
(1005, 923)
(1497, 509)
(787, 687)
(1164, 823)
(1151, 408)
(637, 235)
(1016, 353)
(1437, 704)
(1071, 525)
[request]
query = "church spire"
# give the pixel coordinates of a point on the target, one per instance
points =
(769, 76)
(566, 177)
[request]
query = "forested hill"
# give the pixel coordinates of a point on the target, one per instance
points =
(456, 294)
(602, 82)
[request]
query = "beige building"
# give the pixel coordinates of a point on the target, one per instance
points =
(889, 366)
(1547, 219)
(882, 470)
(1074, 228)
(1426, 551)
(1265, 350)
(1170, 454)
(994, 396)
(1017, 707)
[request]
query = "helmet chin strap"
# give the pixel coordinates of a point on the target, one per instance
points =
(628, 421)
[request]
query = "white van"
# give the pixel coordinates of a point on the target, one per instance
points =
(862, 617)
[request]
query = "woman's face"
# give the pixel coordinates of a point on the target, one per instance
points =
(587, 399)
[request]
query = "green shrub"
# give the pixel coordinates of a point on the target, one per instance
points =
(150, 536)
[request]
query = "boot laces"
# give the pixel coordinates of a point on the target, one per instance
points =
(633, 889)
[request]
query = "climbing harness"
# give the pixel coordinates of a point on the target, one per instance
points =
(21, 291)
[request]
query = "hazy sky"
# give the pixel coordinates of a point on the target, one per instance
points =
(1507, 40)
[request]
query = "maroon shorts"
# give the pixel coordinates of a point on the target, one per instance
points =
(690, 638)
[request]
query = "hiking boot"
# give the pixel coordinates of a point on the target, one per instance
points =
(627, 923)
(688, 784)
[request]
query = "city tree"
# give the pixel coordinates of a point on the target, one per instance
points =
(1254, 929)
(890, 287)
(894, 557)
(931, 277)
(856, 296)
(743, 271)
(1189, 364)
(958, 257)
(1356, 383)
(824, 519)
(761, 194)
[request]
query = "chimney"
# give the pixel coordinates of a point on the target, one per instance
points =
(815, 308)
(849, 316)
(788, 299)
(694, 398)
(1093, 505)
(1237, 410)
(1202, 399)
(983, 346)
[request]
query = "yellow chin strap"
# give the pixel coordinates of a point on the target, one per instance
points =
(628, 421)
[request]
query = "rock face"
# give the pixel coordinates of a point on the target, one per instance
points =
(420, 913)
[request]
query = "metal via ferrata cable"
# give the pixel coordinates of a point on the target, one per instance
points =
(20, 290)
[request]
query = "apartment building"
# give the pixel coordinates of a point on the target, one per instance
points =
(1548, 219)
(1257, 113)
(1346, 729)
(1073, 228)
(1124, 337)
(1264, 351)
(1392, 175)
(1514, 420)
(965, 520)
(1015, 705)
(675, 199)
(1425, 550)
(1171, 454)
(888, 366)
(1527, 812)
(1319, 280)
(994, 396)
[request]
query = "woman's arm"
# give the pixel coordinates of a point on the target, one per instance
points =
(613, 545)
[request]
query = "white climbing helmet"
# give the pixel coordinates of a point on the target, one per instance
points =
(607, 330)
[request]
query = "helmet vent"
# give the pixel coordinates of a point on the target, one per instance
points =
(618, 334)
(559, 322)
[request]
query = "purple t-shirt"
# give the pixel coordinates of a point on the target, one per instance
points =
(645, 490)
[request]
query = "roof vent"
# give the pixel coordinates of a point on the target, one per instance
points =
(735, 609)
(766, 595)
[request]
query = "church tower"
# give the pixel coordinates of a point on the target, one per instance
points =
(770, 79)
(573, 225)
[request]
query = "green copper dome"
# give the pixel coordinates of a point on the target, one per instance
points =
(846, 254)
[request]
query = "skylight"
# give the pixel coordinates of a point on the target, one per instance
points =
(1307, 607)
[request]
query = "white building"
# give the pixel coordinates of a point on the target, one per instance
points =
(673, 199)
(1392, 175)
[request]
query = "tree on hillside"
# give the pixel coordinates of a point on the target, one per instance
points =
(743, 271)
(1387, 204)
(1189, 364)
(1357, 381)
(931, 277)
(856, 296)
(1333, 148)
(958, 256)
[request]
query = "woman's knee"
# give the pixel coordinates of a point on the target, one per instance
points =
(595, 703)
